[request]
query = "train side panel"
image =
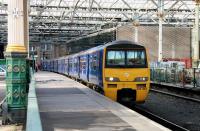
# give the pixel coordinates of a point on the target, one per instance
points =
(48, 65)
(100, 74)
(95, 68)
(44, 65)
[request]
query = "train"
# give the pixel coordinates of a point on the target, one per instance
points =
(119, 70)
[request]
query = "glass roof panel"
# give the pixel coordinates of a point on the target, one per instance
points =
(65, 15)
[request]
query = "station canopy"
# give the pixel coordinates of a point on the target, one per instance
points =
(64, 20)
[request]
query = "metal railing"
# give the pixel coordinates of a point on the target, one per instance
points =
(33, 116)
(176, 76)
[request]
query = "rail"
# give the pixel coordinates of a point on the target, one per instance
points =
(176, 95)
(159, 119)
(33, 116)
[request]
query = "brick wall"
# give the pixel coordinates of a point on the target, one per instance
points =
(176, 41)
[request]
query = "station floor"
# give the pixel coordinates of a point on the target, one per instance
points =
(65, 104)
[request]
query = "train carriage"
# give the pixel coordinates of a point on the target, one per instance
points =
(119, 70)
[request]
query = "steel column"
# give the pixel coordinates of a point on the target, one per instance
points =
(160, 41)
(136, 33)
(136, 23)
(196, 35)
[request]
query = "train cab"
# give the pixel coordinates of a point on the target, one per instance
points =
(126, 72)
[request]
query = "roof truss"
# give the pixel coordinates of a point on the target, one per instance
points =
(77, 18)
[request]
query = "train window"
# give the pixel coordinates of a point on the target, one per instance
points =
(126, 58)
(136, 57)
(116, 58)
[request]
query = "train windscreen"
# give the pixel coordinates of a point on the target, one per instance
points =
(126, 58)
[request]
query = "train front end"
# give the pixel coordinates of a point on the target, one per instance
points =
(126, 73)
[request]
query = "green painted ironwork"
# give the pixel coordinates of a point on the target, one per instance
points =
(3, 63)
(16, 80)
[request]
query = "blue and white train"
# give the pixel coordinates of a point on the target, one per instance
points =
(119, 70)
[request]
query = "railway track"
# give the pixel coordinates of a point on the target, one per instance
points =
(164, 120)
(175, 95)
(159, 119)
(187, 92)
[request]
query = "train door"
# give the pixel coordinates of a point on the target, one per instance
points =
(83, 68)
(87, 66)
(62, 66)
(93, 77)
(78, 66)
(70, 66)
(66, 66)
(100, 72)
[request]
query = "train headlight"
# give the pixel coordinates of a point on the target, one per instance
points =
(141, 79)
(112, 79)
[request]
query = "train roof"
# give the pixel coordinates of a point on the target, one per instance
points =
(101, 47)
(110, 44)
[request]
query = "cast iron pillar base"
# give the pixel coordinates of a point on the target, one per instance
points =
(16, 86)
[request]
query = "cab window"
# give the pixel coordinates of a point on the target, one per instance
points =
(116, 58)
(136, 57)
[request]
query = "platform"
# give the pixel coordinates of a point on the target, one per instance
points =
(65, 104)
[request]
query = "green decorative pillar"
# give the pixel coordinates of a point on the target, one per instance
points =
(16, 54)
(16, 80)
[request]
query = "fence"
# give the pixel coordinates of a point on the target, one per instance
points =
(179, 77)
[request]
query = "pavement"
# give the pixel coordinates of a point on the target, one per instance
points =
(65, 105)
